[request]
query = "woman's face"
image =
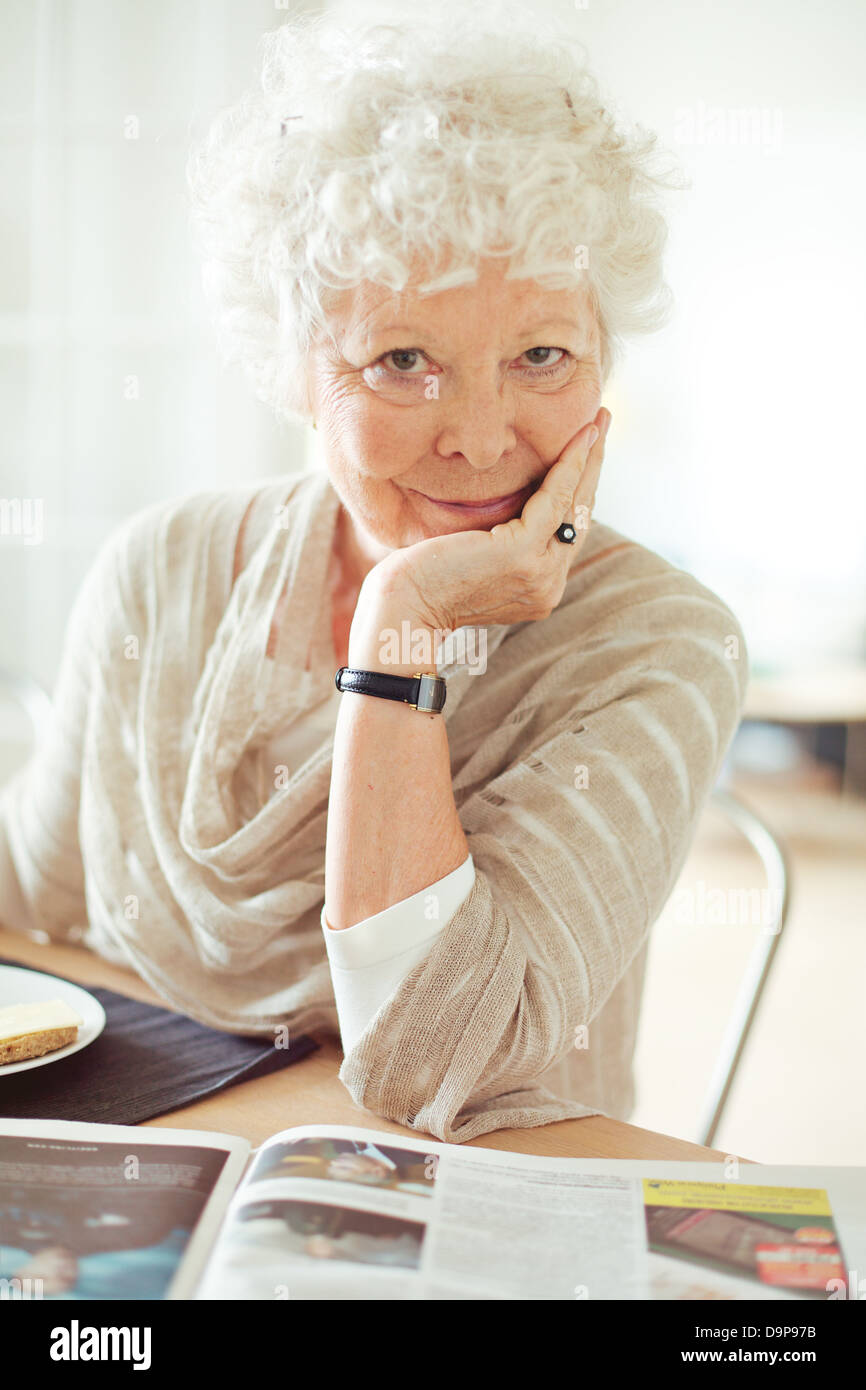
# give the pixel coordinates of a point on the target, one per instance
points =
(462, 398)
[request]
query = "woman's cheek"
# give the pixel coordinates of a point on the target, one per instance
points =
(387, 448)
(551, 421)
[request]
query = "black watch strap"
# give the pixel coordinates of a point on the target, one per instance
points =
(422, 692)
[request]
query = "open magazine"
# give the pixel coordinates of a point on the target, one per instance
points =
(336, 1212)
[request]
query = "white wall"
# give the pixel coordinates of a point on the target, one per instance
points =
(111, 390)
(741, 448)
(736, 446)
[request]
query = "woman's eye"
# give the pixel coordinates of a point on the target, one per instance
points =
(401, 367)
(413, 364)
(546, 366)
(404, 359)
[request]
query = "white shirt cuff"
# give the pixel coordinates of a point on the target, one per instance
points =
(370, 960)
(408, 923)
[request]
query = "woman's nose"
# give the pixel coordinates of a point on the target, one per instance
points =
(478, 424)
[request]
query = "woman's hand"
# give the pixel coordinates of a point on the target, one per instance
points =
(512, 573)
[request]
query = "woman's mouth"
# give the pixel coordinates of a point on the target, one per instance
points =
(488, 509)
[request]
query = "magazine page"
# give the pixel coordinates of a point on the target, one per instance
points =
(343, 1213)
(346, 1213)
(92, 1211)
(736, 1230)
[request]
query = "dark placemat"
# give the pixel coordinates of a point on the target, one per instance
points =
(146, 1062)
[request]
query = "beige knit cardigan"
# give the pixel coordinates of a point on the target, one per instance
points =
(581, 760)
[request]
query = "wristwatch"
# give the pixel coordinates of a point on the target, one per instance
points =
(420, 692)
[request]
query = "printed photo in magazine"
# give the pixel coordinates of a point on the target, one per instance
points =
(83, 1216)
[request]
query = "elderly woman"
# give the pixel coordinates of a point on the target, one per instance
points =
(429, 242)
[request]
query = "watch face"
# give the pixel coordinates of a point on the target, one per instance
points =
(431, 694)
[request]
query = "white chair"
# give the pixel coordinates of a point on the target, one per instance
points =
(777, 868)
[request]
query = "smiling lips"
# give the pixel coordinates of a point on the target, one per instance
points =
(491, 506)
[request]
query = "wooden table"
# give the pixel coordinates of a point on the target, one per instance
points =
(310, 1092)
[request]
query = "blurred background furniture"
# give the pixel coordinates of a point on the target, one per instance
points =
(828, 694)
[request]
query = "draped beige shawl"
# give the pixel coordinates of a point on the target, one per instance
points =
(581, 760)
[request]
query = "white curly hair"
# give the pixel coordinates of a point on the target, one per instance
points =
(372, 150)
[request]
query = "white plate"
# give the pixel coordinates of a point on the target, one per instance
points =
(32, 987)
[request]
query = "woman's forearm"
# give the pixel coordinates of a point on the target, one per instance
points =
(393, 827)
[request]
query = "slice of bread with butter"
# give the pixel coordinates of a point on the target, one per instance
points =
(31, 1030)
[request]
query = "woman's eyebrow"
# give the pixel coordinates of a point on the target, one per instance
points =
(559, 322)
(416, 331)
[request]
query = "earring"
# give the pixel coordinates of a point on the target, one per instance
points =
(314, 424)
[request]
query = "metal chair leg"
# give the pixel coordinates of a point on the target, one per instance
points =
(778, 870)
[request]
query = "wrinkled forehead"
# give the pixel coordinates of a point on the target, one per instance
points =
(489, 305)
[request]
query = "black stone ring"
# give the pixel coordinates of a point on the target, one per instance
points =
(566, 533)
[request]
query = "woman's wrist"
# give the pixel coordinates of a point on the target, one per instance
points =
(389, 634)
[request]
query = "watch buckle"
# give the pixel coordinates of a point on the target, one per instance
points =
(428, 694)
